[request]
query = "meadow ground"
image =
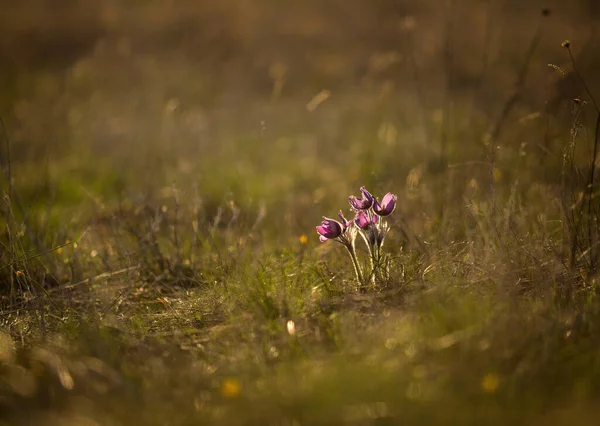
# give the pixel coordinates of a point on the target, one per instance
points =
(162, 178)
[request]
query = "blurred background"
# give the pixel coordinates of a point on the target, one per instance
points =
(110, 70)
(378, 90)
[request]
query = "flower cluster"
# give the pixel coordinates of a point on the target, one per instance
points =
(369, 222)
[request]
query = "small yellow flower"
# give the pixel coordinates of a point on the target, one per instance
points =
(490, 383)
(303, 239)
(231, 388)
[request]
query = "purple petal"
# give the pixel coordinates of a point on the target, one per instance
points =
(330, 228)
(388, 199)
(343, 219)
(387, 205)
(366, 195)
(356, 203)
(362, 220)
(376, 206)
(363, 203)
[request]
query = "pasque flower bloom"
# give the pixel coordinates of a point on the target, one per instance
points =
(369, 222)
(363, 203)
(363, 221)
(344, 233)
(330, 229)
(387, 205)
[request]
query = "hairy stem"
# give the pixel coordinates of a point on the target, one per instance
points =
(357, 268)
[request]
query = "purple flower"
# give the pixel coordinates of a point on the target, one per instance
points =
(329, 229)
(345, 222)
(363, 203)
(387, 206)
(362, 220)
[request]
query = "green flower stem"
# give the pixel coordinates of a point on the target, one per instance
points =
(377, 261)
(356, 264)
(371, 250)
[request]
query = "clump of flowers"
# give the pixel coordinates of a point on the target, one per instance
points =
(370, 223)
